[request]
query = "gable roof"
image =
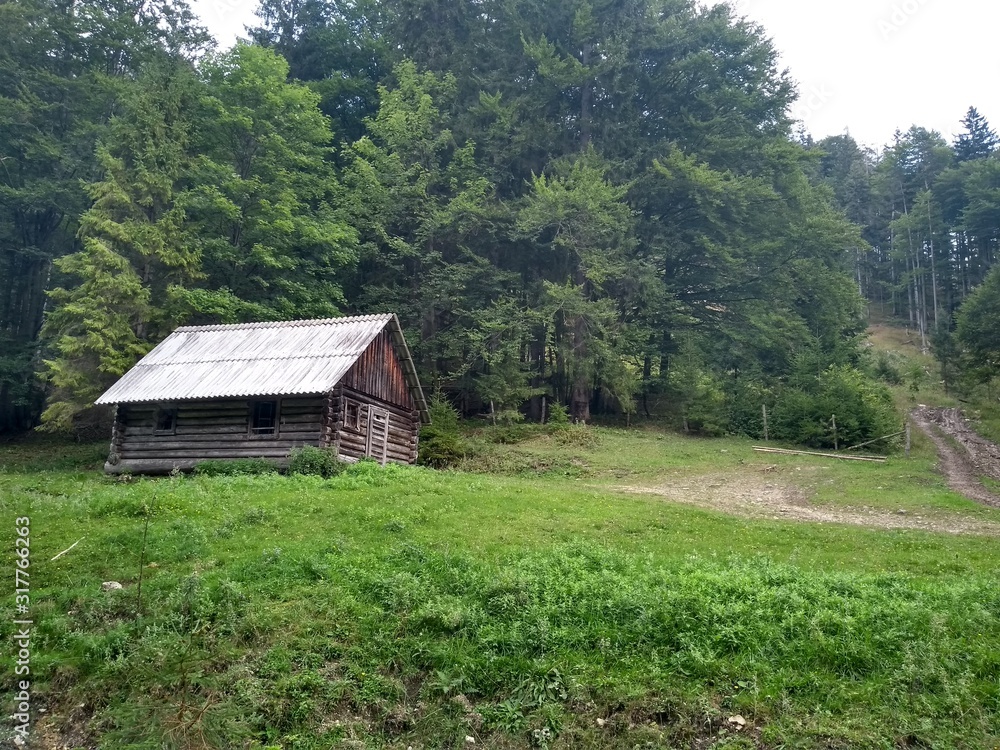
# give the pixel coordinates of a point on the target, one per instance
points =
(293, 358)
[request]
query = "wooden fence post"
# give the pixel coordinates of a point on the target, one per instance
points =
(763, 408)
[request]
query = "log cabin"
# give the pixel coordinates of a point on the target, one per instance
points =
(259, 390)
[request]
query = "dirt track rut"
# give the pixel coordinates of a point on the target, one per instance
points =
(965, 456)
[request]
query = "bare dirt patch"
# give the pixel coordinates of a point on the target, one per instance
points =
(760, 495)
(66, 733)
(964, 455)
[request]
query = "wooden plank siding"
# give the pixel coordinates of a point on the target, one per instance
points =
(379, 373)
(377, 379)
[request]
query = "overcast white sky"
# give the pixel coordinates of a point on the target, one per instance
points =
(867, 66)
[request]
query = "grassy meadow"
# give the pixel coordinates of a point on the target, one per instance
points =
(530, 600)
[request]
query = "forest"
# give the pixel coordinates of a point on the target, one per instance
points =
(599, 204)
(607, 238)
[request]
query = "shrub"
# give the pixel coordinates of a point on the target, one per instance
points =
(235, 467)
(863, 408)
(314, 461)
(441, 443)
(577, 435)
(744, 399)
(558, 416)
(512, 434)
(704, 403)
(696, 396)
(916, 377)
(887, 368)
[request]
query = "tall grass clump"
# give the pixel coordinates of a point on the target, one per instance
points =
(312, 461)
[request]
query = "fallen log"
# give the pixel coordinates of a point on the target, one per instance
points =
(870, 459)
(876, 440)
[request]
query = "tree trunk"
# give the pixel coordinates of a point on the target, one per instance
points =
(918, 292)
(930, 240)
(586, 95)
(581, 380)
(647, 376)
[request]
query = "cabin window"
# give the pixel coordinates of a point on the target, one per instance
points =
(352, 416)
(166, 421)
(264, 418)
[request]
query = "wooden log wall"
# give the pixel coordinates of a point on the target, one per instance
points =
(331, 418)
(404, 427)
(117, 436)
(216, 430)
(414, 435)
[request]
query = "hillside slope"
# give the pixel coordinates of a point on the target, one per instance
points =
(556, 602)
(968, 459)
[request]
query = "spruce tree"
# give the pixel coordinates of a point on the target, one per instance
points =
(978, 141)
(133, 250)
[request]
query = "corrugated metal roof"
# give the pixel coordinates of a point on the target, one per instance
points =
(298, 357)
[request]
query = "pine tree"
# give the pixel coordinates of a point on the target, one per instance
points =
(583, 228)
(65, 70)
(978, 141)
(133, 250)
(977, 328)
(429, 223)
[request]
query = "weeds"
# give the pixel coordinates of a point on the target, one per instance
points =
(310, 460)
(400, 606)
(766, 640)
(236, 467)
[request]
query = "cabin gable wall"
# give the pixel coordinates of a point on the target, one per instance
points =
(374, 389)
(379, 373)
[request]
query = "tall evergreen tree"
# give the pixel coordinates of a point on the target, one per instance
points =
(65, 70)
(978, 141)
(584, 230)
(133, 249)
(978, 331)
(429, 226)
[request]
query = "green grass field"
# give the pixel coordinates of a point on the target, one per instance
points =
(541, 604)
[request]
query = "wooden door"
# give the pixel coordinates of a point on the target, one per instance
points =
(377, 442)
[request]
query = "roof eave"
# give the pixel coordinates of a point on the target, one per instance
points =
(208, 399)
(409, 369)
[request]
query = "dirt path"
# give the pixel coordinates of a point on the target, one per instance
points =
(964, 455)
(761, 494)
